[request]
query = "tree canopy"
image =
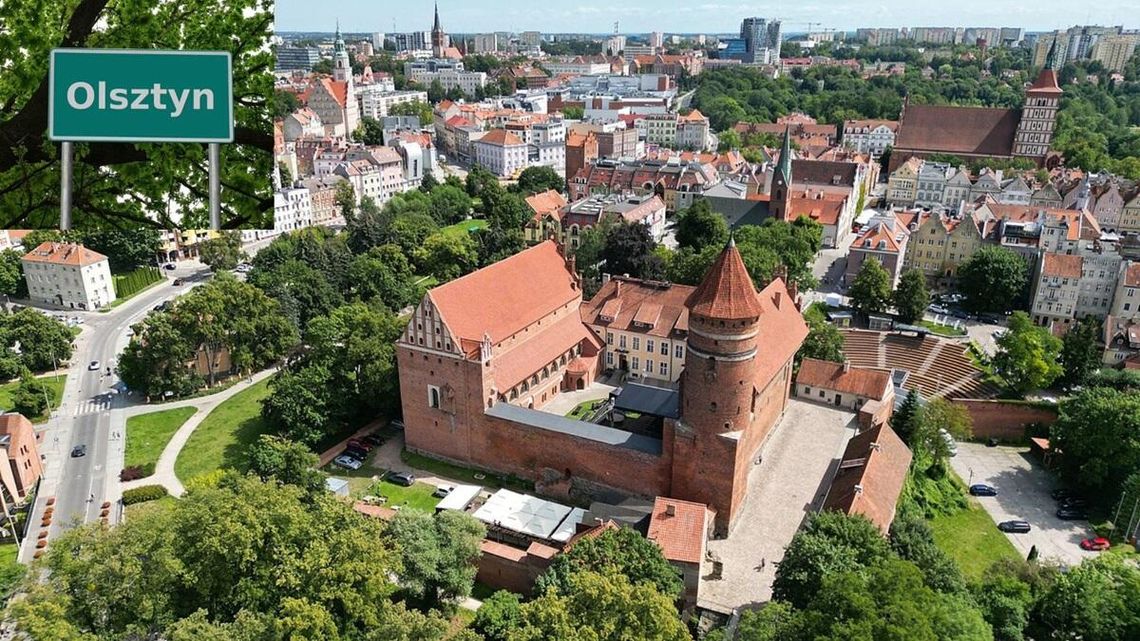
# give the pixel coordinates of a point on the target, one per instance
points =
(128, 185)
(911, 297)
(698, 227)
(993, 279)
(439, 552)
(1099, 431)
(870, 292)
(1027, 355)
(824, 341)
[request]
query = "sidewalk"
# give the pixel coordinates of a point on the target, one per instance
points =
(164, 470)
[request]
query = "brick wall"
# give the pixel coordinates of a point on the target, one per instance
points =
(508, 568)
(1003, 420)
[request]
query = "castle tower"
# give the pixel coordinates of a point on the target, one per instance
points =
(711, 444)
(437, 37)
(781, 196)
(1039, 115)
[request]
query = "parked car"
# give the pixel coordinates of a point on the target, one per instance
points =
(981, 489)
(78, 450)
(402, 478)
(1072, 514)
(1073, 502)
(1014, 527)
(374, 439)
(356, 453)
(1096, 545)
(359, 444)
(1061, 493)
(347, 462)
(991, 442)
(169, 267)
(992, 319)
(177, 282)
(93, 366)
(442, 491)
(397, 424)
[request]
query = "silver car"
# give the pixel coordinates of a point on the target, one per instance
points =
(347, 462)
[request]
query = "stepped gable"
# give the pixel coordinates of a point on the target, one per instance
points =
(726, 291)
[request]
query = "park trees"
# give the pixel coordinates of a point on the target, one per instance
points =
(621, 550)
(628, 249)
(383, 273)
(533, 180)
(245, 555)
(32, 397)
(447, 255)
(870, 292)
(125, 249)
(1099, 431)
(1028, 356)
(1093, 601)
(823, 342)
(285, 461)
(221, 253)
(439, 552)
(993, 279)
(830, 543)
(417, 108)
(911, 297)
(1080, 352)
(449, 204)
(38, 342)
(498, 616)
(155, 176)
(698, 227)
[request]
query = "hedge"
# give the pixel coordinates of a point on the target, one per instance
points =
(143, 493)
(133, 282)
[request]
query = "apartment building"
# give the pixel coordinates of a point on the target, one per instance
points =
(68, 275)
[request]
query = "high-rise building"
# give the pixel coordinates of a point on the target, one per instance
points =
(486, 42)
(1058, 42)
(411, 41)
(656, 39)
(378, 41)
(759, 42)
(292, 58)
(773, 41)
(530, 39)
(1115, 51)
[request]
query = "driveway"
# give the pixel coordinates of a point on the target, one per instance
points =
(799, 461)
(1023, 493)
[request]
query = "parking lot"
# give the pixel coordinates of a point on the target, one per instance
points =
(1023, 488)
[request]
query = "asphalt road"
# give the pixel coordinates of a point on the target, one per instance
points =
(81, 484)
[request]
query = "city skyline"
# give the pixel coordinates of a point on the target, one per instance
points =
(643, 16)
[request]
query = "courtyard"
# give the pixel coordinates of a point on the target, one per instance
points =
(798, 462)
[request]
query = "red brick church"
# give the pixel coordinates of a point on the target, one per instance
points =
(974, 133)
(483, 354)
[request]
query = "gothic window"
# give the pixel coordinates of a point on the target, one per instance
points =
(433, 396)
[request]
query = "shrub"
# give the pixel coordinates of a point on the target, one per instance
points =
(135, 472)
(143, 493)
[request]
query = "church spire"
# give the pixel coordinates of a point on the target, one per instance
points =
(784, 166)
(435, 26)
(1051, 58)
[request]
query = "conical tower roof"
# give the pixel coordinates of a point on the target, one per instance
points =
(726, 291)
(784, 166)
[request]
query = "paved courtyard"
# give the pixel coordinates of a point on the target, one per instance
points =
(799, 460)
(1023, 493)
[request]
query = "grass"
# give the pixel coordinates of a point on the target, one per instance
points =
(582, 410)
(482, 591)
(942, 330)
(222, 438)
(54, 383)
(465, 226)
(10, 570)
(140, 509)
(463, 474)
(416, 497)
(148, 434)
(972, 539)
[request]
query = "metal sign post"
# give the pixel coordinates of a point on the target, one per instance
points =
(65, 154)
(124, 95)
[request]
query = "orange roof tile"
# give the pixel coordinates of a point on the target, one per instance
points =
(681, 535)
(825, 210)
(1062, 265)
(622, 299)
(64, 254)
(1046, 82)
(546, 202)
(1132, 275)
(781, 331)
(523, 360)
(871, 476)
(870, 383)
(726, 291)
(501, 299)
(501, 137)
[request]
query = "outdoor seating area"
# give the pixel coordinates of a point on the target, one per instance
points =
(936, 367)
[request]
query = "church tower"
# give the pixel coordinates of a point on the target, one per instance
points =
(342, 68)
(342, 73)
(1039, 115)
(781, 194)
(437, 36)
(712, 448)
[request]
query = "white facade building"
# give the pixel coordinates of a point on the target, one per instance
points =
(292, 209)
(375, 104)
(68, 275)
(502, 152)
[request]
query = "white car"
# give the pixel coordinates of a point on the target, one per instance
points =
(347, 462)
(93, 366)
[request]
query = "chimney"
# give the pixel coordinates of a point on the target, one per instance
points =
(846, 366)
(670, 509)
(605, 278)
(617, 289)
(777, 299)
(794, 292)
(875, 446)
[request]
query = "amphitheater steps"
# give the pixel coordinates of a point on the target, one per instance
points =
(925, 367)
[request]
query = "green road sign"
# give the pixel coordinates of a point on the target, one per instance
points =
(124, 95)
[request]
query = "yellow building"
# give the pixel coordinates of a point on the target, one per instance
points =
(902, 186)
(183, 243)
(1115, 51)
(939, 245)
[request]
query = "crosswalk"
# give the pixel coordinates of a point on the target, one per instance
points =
(93, 406)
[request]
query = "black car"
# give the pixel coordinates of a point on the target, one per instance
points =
(1072, 514)
(396, 424)
(177, 282)
(1061, 493)
(78, 450)
(407, 479)
(1073, 502)
(441, 492)
(356, 453)
(374, 439)
(981, 489)
(169, 266)
(1014, 527)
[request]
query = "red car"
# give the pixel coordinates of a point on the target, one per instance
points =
(367, 447)
(1096, 545)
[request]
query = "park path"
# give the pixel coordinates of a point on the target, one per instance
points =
(164, 470)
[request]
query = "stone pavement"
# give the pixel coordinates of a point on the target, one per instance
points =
(798, 462)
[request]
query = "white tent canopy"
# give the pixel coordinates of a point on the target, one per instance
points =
(526, 514)
(459, 497)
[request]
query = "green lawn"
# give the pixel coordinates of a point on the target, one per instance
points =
(138, 509)
(465, 226)
(148, 434)
(10, 571)
(582, 410)
(416, 497)
(463, 474)
(55, 384)
(972, 539)
(942, 330)
(221, 440)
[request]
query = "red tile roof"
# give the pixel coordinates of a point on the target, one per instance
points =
(501, 137)
(968, 130)
(681, 535)
(1132, 275)
(726, 292)
(64, 254)
(1061, 265)
(869, 383)
(622, 300)
(546, 202)
(871, 476)
(826, 211)
(502, 298)
(780, 333)
(521, 361)
(1046, 83)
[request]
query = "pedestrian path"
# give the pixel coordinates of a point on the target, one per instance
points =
(101, 403)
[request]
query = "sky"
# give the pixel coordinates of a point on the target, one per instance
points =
(693, 16)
